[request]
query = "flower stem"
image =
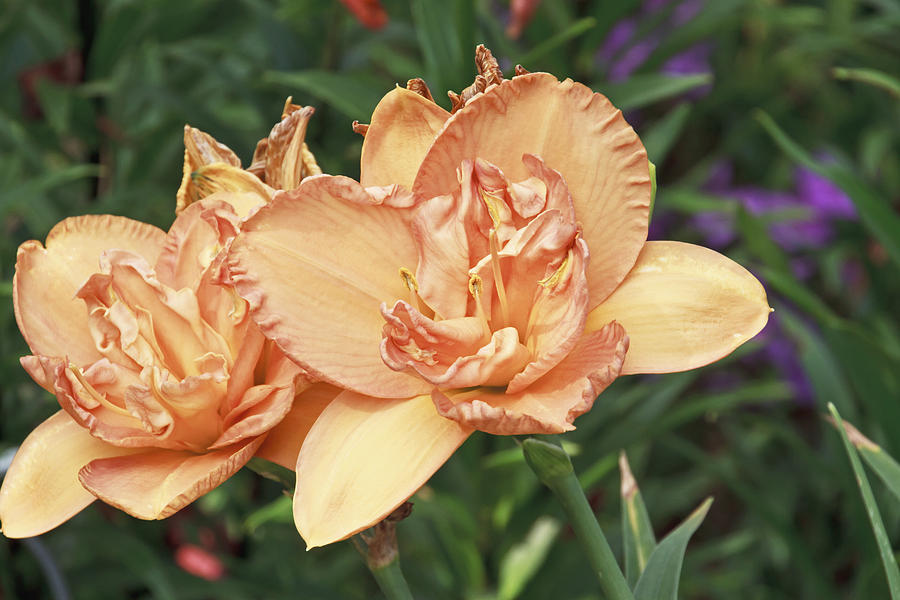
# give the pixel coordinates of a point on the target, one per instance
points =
(553, 467)
(379, 549)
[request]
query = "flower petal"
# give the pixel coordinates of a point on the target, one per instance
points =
(283, 443)
(316, 265)
(550, 404)
(576, 132)
(41, 489)
(52, 320)
(363, 458)
(200, 149)
(683, 307)
(158, 483)
(403, 126)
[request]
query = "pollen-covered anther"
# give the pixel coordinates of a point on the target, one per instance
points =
(554, 278)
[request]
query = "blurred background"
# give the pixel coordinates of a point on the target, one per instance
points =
(774, 126)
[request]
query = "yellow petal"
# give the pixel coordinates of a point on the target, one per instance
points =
(158, 483)
(315, 265)
(683, 306)
(363, 458)
(52, 320)
(283, 443)
(41, 488)
(403, 126)
(219, 177)
(576, 132)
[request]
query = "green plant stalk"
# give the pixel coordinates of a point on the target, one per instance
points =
(391, 581)
(553, 467)
(378, 547)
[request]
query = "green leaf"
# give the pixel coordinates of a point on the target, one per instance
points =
(280, 510)
(881, 537)
(875, 210)
(870, 76)
(523, 560)
(440, 46)
(637, 532)
(641, 90)
(659, 580)
(351, 95)
(881, 462)
(572, 31)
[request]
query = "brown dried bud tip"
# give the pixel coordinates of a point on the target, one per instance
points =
(458, 101)
(419, 86)
(520, 70)
(487, 65)
(360, 128)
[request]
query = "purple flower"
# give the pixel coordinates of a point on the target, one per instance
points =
(823, 196)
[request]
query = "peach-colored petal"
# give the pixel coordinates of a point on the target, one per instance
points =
(576, 132)
(283, 442)
(284, 157)
(200, 149)
(550, 404)
(315, 265)
(231, 184)
(683, 306)
(41, 488)
(403, 126)
(52, 320)
(193, 241)
(363, 458)
(157, 483)
(557, 318)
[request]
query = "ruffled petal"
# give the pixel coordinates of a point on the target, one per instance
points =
(403, 126)
(363, 458)
(315, 265)
(41, 489)
(576, 132)
(550, 404)
(158, 483)
(52, 320)
(683, 307)
(283, 443)
(557, 317)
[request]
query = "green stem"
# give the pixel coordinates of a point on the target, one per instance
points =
(391, 581)
(378, 547)
(554, 468)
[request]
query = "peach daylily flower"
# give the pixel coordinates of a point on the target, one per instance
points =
(166, 386)
(490, 271)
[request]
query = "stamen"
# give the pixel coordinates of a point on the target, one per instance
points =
(551, 280)
(476, 287)
(498, 277)
(95, 394)
(409, 280)
(491, 203)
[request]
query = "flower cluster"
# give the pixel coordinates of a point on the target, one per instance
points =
(489, 271)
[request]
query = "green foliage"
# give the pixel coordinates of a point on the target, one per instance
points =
(92, 107)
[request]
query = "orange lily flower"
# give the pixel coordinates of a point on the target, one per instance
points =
(166, 385)
(490, 271)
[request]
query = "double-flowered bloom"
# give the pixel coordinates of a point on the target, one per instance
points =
(490, 271)
(166, 386)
